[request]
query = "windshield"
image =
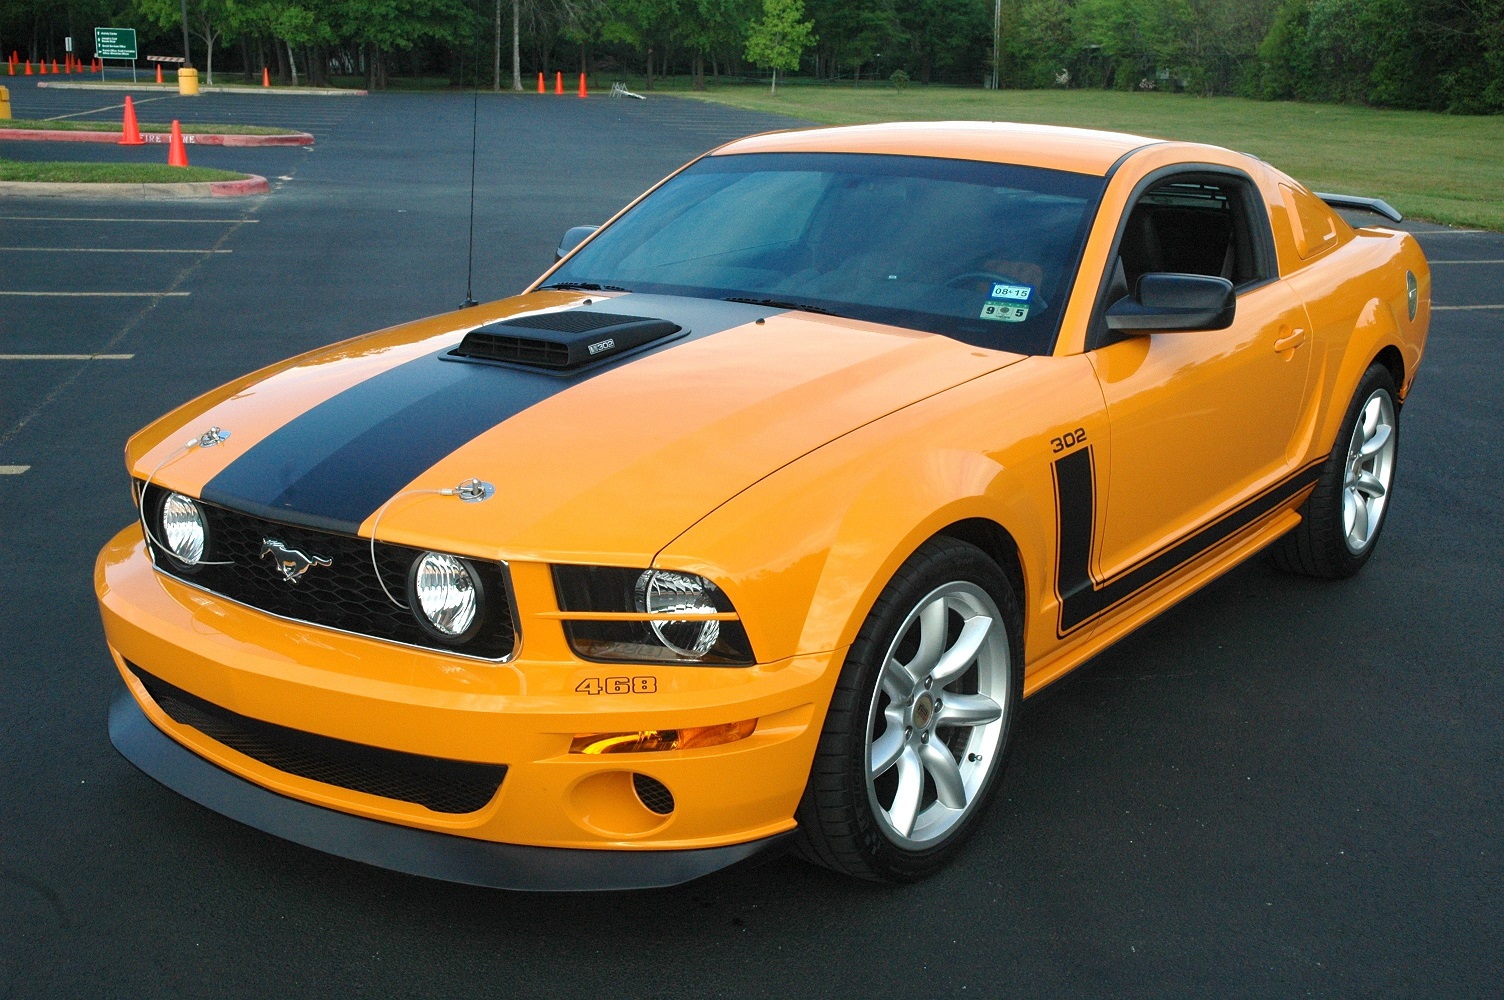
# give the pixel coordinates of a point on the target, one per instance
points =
(982, 252)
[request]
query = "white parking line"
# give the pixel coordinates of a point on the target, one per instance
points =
(13, 470)
(103, 250)
(1434, 262)
(103, 295)
(66, 357)
(69, 218)
(1445, 308)
(112, 107)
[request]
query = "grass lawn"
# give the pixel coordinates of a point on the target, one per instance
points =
(1446, 168)
(69, 126)
(110, 173)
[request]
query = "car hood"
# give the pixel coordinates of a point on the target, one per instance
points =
(605, 465)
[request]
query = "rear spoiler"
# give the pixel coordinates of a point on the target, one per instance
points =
(1378, 206)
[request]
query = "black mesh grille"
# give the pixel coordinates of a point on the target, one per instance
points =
(446, 786)
(654, 794)
(344, 594)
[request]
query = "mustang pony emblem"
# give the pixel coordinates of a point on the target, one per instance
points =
(291, 562)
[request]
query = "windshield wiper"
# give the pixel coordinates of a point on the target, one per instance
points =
(781, 304)
(585, 286)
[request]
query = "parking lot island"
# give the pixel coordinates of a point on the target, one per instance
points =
(150, 181)
(108, 132)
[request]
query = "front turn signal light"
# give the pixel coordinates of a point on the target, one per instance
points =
(655, 740)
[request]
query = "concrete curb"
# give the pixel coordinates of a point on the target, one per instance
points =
(254, 184)
(192, 138)
(264, 91)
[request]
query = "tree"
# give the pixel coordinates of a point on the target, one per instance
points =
(640, 23)
(706, 26)
(778, 40)
(211, 20)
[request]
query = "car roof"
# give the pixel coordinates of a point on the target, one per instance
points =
(1079, 150)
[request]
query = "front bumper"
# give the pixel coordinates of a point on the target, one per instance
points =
(522, 714)
(403, 849)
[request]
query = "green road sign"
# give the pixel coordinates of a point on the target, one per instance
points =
(115, 43)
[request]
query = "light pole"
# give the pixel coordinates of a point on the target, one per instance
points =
(187, 56)
(997, 39)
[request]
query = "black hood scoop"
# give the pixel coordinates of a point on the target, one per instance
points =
(562, 341)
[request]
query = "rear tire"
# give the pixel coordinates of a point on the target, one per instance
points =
(1342, 518)
(917, 733)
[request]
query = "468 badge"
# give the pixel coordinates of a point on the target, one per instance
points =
(618, 685)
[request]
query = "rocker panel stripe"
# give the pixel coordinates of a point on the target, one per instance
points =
(1083, 598)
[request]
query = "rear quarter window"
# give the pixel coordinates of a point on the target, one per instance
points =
(1312, 223)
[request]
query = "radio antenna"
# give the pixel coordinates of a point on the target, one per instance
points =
(470, 257)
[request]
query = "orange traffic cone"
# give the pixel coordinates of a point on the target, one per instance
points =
(540, 84)
(42, 66)
(558, 83)
(582, 84)
(12, 68)
(54, 67)
(130, 132)
(266, 77)
(28, 67)
(159, 72)
(177, 153)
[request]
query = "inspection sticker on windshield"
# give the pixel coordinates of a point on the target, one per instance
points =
(1017, 293)
(1009, 303)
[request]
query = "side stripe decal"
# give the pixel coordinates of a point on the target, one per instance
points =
(1083, 598)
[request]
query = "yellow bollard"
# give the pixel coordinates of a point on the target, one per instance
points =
(188, 81)
(4, 102)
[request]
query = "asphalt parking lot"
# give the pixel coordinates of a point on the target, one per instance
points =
(1280, 787)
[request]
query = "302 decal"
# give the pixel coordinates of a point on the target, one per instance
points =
(1068, 440)
(618, 685)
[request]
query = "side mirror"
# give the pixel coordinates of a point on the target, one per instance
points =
(572, 239)
(1169, 302)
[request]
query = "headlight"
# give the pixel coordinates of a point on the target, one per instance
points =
(704, 640)
(659, 592)
(445, 595)
(183, 529)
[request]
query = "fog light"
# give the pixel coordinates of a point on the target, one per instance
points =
(183, 529)
(445, 595)
(655, 740)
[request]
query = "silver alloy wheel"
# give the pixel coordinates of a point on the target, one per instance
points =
(936, 718)
(1369, 471)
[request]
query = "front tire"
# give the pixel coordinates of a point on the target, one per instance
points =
(1341, 519)
(918, 729)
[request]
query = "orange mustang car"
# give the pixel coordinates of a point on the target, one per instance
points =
(750, 524)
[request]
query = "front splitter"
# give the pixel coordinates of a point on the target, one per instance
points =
(406, 849)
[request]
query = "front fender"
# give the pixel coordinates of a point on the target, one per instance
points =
(804, 553)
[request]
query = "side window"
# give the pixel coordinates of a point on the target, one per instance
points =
(1195, 225)
(1190, 223)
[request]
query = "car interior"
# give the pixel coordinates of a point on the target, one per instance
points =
(1189, 224)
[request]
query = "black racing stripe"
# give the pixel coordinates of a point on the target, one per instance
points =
(335, 465)
(1082, 598)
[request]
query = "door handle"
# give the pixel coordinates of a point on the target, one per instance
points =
(1290, 341)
